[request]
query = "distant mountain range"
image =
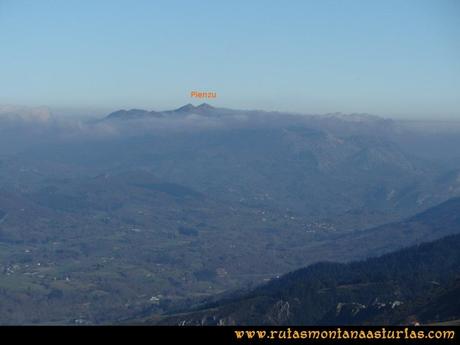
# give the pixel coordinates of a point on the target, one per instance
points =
(420, 284)
(300, 162)
(206, 110)
(23, 113)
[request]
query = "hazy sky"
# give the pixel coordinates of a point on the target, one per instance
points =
(391, 58)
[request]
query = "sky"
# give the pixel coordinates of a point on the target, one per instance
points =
(391, 58)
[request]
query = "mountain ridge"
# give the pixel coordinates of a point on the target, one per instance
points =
(207, 109)
(201, 109)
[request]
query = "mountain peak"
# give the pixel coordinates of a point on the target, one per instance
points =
(190, 108)
(205, 106)
(187, 107)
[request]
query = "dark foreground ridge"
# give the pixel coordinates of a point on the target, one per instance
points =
(419, 284)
